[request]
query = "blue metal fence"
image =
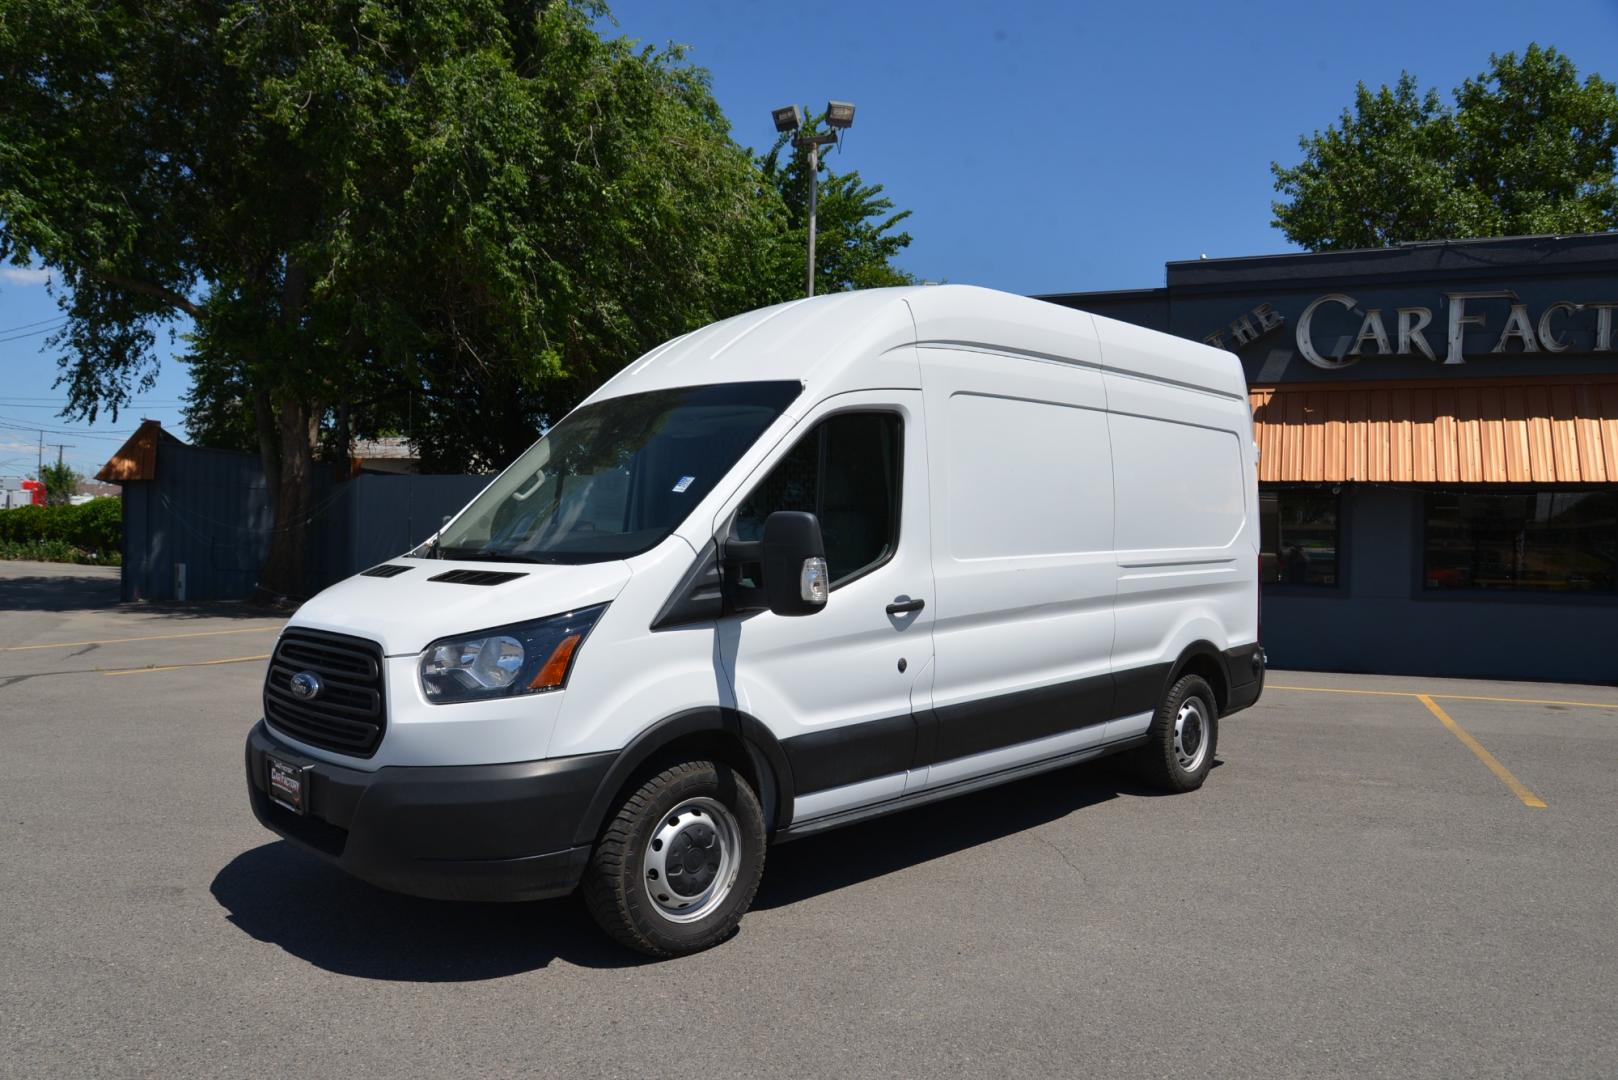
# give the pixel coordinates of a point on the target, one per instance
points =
(202, 528)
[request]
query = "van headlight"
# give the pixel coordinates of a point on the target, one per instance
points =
(528, 658)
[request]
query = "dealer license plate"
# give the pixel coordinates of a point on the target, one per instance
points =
(289, 784)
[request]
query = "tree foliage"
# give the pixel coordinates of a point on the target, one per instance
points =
(443, 218)
(1525, 148)
(61, 480)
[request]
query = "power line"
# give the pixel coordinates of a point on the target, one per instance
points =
(59, 405)
(59, 397)
(27, 325)
(22, 427)
(32, 333)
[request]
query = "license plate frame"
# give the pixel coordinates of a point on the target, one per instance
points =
(287, 783)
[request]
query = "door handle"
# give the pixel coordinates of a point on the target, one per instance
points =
(905, 607)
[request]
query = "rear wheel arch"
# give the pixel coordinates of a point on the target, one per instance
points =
(1204, 659)
(728, 736)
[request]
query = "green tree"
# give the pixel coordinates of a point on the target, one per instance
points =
(365, 208)
(448, 219)
(61, 481)
(1526, 148)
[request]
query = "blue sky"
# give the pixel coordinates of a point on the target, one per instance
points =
(1043, 147)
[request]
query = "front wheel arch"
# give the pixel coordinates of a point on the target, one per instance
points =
(723, 734)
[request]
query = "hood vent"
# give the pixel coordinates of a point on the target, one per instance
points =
(476, 577)
(385, 570)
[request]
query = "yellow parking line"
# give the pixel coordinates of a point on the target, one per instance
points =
(1339, 690)
(1529, 799)
(148, 637)
(1447, 697)
(199, 663)
(1529, 701)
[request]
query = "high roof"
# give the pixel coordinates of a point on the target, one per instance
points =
(819, 341)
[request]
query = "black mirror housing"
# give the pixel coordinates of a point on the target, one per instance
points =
(794, 563)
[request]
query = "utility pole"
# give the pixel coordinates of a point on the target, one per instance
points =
(40, 466)
(67, 496)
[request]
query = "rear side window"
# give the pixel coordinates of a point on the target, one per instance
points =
(846, 471)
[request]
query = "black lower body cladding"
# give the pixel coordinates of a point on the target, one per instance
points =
(464, 832)
(1244, 676)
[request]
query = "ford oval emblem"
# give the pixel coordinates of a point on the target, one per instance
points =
(306, 685)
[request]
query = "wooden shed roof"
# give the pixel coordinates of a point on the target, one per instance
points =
(1550, 430)
(137, 458)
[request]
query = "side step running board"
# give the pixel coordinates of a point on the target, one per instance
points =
(959, 787)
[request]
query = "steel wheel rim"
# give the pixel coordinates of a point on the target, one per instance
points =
(1191, 729)
(692, 860)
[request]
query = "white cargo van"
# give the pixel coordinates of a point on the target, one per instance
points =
(812, 564)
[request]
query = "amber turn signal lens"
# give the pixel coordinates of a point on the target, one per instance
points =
(555, 670)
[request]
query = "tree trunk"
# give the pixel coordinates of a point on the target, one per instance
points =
(286, 441)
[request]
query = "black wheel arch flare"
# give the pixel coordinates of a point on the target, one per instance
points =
(740, 730)
(1205, 659)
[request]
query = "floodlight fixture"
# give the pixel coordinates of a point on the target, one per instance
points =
(789, 118)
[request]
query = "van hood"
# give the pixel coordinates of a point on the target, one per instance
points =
(408, 611)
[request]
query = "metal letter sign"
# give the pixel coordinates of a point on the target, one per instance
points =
(1549, 333)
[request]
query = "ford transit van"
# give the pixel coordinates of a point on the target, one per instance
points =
(820, 562)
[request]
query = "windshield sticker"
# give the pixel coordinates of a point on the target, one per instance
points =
(684, 482)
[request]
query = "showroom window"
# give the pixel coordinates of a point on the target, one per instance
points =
(1543, 541)
(1298, 536)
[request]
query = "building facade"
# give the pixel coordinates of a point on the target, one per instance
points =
(1438, 440)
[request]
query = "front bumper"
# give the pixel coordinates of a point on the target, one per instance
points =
(454, 832)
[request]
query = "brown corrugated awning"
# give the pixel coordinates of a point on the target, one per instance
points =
(1549, 430)
(137, 458)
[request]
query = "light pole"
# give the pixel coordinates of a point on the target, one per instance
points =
(839, 117)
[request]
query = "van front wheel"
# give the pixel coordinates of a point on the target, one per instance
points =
(1180, 744)
(678, 865)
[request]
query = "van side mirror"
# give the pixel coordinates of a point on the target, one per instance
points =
(794, 563)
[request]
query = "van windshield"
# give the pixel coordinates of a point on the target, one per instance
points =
(615, 477)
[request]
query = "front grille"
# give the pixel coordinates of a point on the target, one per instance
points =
(348, 714)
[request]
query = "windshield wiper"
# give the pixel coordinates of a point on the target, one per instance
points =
(479, 555)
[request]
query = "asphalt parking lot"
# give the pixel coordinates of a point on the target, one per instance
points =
(1364, 887)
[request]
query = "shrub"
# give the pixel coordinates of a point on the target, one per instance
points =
(55, 551)
(94, 529)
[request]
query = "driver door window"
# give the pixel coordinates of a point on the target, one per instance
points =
(846, 472)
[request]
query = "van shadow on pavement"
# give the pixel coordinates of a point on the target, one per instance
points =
(281, 895)
(284, 896)
(839, 858)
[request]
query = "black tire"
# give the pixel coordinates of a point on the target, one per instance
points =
(615, 883)
(1160, 760)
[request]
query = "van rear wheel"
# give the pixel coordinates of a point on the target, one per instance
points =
(1182, 738)
(680, 862)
